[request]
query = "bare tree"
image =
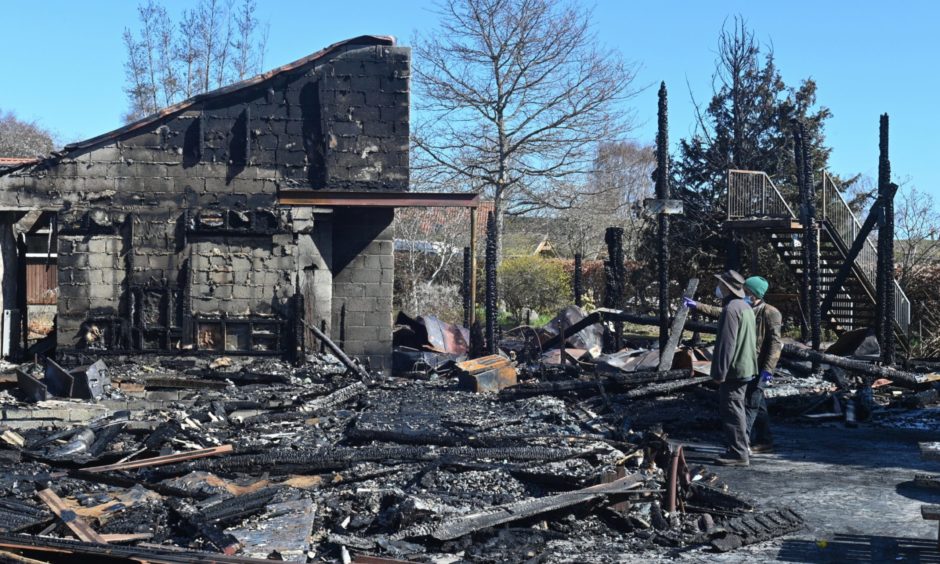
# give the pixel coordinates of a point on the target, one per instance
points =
(20, 138)
(611, 196)
(429, 249)
(212, 44)
(513, 96)
(918, 227)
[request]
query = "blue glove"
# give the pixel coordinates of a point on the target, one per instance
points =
(766, 377)
(689, 303)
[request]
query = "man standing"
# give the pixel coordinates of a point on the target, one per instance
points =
(734, 365)
(769, 344)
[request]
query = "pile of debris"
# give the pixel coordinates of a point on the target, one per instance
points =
(260, 459)
(548, 451)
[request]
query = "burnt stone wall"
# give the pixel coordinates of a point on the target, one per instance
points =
(179, 217)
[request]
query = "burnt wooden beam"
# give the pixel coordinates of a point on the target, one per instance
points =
(667, 353)
(73, 521)
(162, 460)
(899, 377)
(336, 350)
(618, 315)
(466, 524)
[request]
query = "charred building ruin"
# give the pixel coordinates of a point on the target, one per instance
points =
(183, 231)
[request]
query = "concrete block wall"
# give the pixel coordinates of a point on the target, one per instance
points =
(363, 280)
(91, 274)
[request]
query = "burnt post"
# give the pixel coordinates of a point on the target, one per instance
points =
(576, 280)
(884, 284)
(662, 194)
(810, 290)
(466, 288)
(298, 350)
(663, 206)
(491, 291)
(615, 277)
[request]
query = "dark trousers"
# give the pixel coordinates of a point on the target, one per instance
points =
(732, 396)
(758, 420)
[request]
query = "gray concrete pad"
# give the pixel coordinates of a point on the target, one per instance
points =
(853, 486)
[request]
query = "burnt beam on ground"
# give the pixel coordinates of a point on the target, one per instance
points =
(899, 377)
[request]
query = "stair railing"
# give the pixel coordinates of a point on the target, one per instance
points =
(753, 194)
(846, 226)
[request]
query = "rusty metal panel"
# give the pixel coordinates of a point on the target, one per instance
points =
(42, 286)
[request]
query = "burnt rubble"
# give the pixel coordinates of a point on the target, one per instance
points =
(558, 452)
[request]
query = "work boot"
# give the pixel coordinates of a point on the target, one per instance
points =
(728, 459)
(762, 448)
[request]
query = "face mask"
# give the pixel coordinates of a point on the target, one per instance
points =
(747, 300)
(718, 293)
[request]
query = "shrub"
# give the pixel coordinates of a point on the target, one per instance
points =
(532, 282)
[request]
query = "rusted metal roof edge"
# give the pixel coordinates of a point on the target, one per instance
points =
(337, 198)
(364, 40)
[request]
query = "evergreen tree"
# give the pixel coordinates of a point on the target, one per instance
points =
(746, 125)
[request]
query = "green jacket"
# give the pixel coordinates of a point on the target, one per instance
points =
(735, 354)
(769, 334)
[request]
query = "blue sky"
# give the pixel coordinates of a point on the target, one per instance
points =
(61, 61)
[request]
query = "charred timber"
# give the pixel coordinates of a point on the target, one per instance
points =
(615, 277)
(667, 350)
(899, 377)
(562, 387)
(613, 315)
(663, 193)
(100, 552)
(661, 388)
(885, 273)
(465, 524)
(492, 298)
(281, 462)
(235, 508)
(804, 220)
(815, 318)
(336, 350)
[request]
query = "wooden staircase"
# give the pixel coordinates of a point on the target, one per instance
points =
(755, 203)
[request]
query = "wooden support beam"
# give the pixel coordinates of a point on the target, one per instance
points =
(162, 460)
(77, 525)
(675, 332)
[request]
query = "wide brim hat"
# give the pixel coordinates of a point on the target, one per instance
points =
(733, 281)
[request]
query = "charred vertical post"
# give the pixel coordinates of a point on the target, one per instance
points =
(615, 277)
(492, 297)
(812, 245)
(298, 350)
(804, 168)
(662, 193)
(884, 286)
(467, 298)
(804, 287)
(576, 280)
